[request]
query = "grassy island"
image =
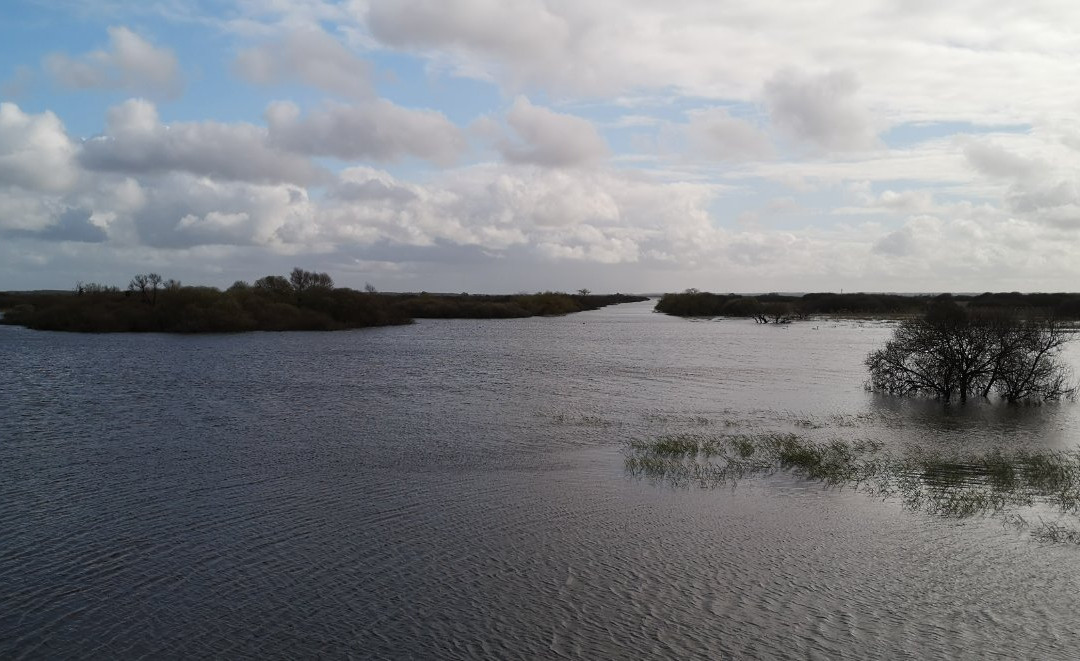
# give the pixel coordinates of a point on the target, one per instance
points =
(303, 301)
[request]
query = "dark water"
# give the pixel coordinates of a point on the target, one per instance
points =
(455, 489)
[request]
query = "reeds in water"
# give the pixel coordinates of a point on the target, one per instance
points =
(1002, 483)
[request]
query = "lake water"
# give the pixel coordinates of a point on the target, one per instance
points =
(456, 489)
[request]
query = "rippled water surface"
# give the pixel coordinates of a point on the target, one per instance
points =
(456, 489)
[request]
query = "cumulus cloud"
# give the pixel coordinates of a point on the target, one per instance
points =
(887, 202)
(213, 191)
(72, 224)
(130, 62)
(136, 142)
(308, 56)
(1034, 175)
(899, 243)
(545, 137)
(820, 110)
(588, 216)
(996, 161)
(22, 210)
(183, 211)
(528, 34)
(717, 135)
(35, 151)
(378, 130)
(917, 61)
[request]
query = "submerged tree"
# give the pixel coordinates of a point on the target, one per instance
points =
(954, 352)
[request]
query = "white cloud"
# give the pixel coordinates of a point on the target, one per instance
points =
(916, 61)
(182, 211)
(820, 110)
(528, 35)
(136, 142)
(35, 151)
(993, 160)
(27, 211)
(377, 130)
(129, 63)
(309, 56)
(717, 135)
(545, 137)
(782, 116)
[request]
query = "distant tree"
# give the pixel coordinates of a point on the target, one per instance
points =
(95, 288)
(139, 284)
(146, 286)
(583, 292)
(302, 280)
(370, 288)
(274, 284)
(954, 352)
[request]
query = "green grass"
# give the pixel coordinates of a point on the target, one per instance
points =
(1002, 483)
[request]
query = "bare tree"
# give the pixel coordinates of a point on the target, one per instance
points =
(952, 352)
(302, 280)
(146, 285)
(140, 284)
(155, 282)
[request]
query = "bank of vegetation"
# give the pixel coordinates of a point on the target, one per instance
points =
(783, 308)
(305, 300)
(482, 306)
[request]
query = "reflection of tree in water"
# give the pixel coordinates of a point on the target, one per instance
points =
(1034, 490)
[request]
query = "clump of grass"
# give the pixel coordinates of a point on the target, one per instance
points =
(744, 446)
(582, 420)
(996, 483)
(1055, 533)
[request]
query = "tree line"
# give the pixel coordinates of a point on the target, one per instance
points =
(782, 308)
(1004, 345)
(305, 300)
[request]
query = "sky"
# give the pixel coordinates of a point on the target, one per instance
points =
(524, 145)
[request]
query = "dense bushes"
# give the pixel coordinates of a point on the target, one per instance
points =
(693, 303)
(150, 305)
(465, 306)
(303, 301)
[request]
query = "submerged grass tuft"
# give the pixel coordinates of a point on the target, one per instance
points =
(1000, 483)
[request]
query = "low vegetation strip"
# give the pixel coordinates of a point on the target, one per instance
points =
(303, 301)
(481, 306)
(784, 307)
(1022, 488)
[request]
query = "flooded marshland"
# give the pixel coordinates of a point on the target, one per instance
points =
(467, 489)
